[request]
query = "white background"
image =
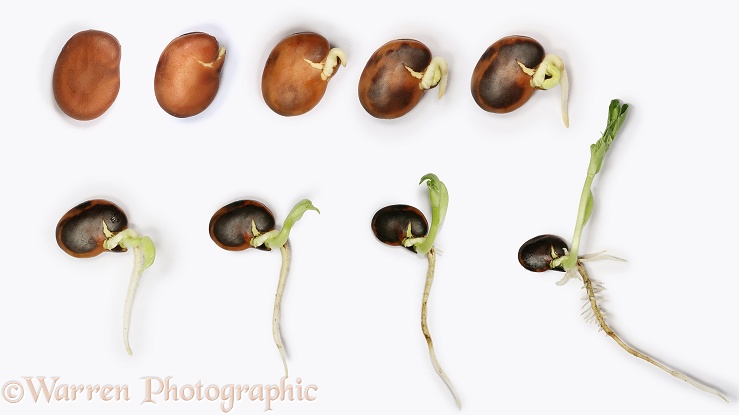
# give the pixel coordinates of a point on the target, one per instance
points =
(511, 341)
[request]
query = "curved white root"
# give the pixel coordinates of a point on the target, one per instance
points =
(592, 296)
(553, 67)
(138, 269)
(564, 87)
(435, 74)
(334, 57)
(425, 329)
(285, 251)
(327, 67)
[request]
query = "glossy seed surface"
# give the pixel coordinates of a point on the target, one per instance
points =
(231, 226)
(536, 253)
(390, 224)
(291, 81)
(80, 231)
(387, 89)
(188, 74)
(86, 77)
(498, 83)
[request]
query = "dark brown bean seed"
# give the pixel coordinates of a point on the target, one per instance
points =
(86, 76)
(387, 87)
(188, 74)
(537, 253)
(231, 226)
(80, 231)
(499, 84)
(297, 72)
(390, 224)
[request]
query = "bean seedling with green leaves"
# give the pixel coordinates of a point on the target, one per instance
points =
(247, 224)
(97, 226)
(403, 225)
(550, 252)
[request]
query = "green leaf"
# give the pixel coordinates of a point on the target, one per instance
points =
(439, 198)
(149, 251)
(598, 150)
(295, 214)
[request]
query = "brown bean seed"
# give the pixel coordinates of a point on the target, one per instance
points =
(499, 84)
(86, 76)
(297, 72)
(188, 74)
(80, 232)
(397, 75)
(509, 72)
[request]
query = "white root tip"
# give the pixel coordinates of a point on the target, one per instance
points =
(444, 377)
(568, 276)
(435, 74)
(284, 361)
(600, 255)
(424, 327)
(334, 57)
(133, 284)
(553, 66)
(564, 86)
